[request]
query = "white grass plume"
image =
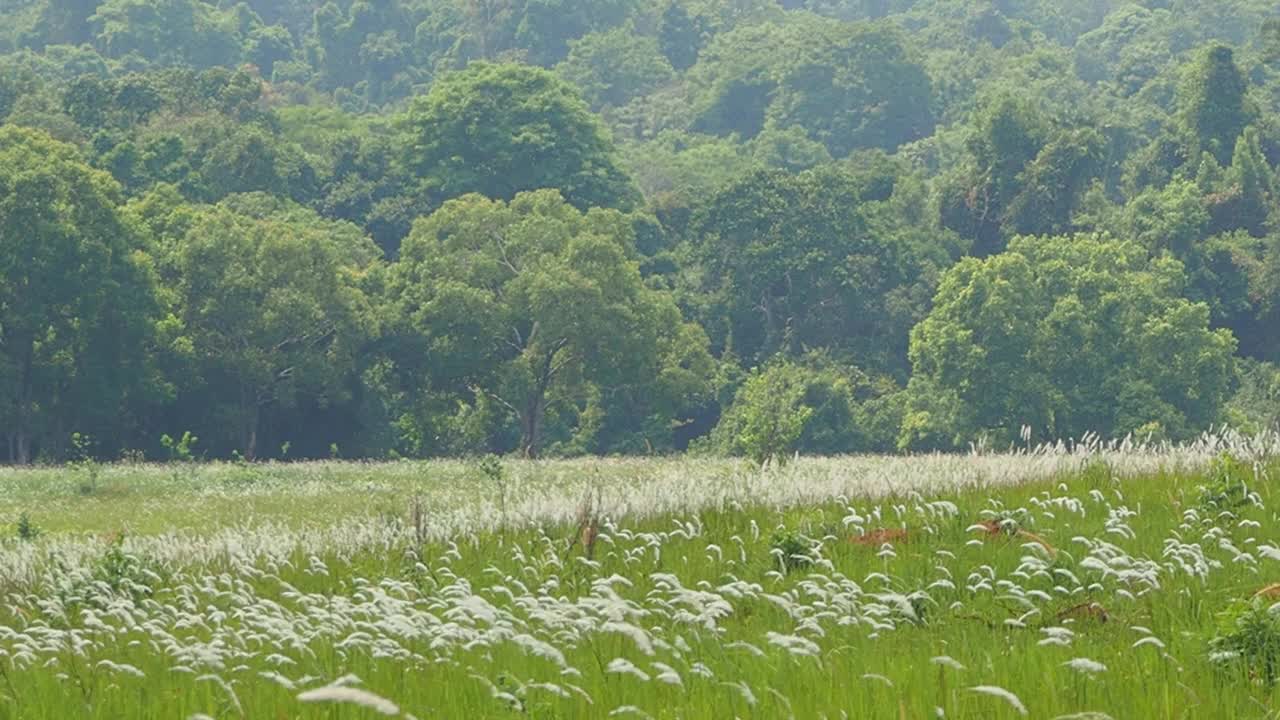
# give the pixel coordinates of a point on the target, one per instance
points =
(622, 666)
(1085, 666)
(351, 696)
(1003, 694)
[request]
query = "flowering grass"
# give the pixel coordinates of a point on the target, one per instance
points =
(1083, 583)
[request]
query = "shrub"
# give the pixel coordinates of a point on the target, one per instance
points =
(768, 415)
(26, 529)
(793, 550)
(815, 405)
(1228, 486)
(1249, 639)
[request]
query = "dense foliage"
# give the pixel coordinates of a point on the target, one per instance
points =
(434, 227)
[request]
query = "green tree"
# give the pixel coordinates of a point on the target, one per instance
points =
(968, 356)
(853, 87)
(1181, 220)
(788, 149)
(614, 66)
(267, 45)
(1007, 134)
(680, 36)
(849, 85)
(1169, 219)
(1028, 175)
(249, 158)
(171, 32)
(1250, 188)
(270, 306)
(74, 294)
(533, 310)
(1255, 407)
(674, 169)
(1052, 185)
(1270, 40)
(549, 26)
(1130, 48)
(828, 258)
(1265, 287)
(1066, 336)
(1213, 102)
(768, 415)
(838, 410)
(66, 22)
(87, 101)
(19, 81)
(499, 130)
(454, 33)
(366, 51)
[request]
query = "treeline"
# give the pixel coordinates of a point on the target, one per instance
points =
(442, 227)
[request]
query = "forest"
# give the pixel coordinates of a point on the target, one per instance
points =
(276, 229)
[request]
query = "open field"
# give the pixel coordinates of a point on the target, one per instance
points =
(1045, 584)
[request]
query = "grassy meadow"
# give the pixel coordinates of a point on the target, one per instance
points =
(1115, 582)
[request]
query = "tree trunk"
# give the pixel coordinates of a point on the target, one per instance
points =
(55, 442)
(536, 403)
(22, 447)
(249, 413)
(531, 426)
(772, 343)
(22, 398)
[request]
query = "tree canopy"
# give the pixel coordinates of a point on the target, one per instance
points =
(269, 307)
(1066, 338)
(74, 296)
(499, 130)
(534, 308)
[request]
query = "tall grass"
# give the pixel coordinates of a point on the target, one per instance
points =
(1056, 582)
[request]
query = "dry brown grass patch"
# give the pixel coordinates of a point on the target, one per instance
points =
(883, 536)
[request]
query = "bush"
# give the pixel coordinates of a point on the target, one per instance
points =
(1249, 640)
(27, 529)
(1255, 407)
(815, 405)
(1228, 487)
(793, 550)
(768, 415)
